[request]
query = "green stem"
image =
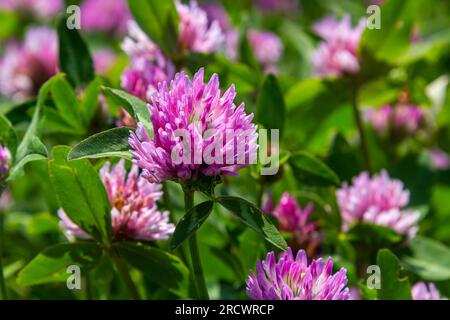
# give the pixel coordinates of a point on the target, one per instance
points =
(202, 291)
(169, 207)
(359, 124)
(124, 272)
(2, 276)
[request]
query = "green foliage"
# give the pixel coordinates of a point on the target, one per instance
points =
(81, 194)
(393, 39)
(394, 285)
(430, 259)
(8, 135)
(134, 106)
(51, 264)
(315, 109)
(270, 110)
(159, 266)
(31, 147)
(343, 159)
(159, 19)
(373, 235)
(8, 24)
(74, 57)
(303, 92)
(74, 115)
(311, 171)
(252, 217)
(109, 143)
(190, 223)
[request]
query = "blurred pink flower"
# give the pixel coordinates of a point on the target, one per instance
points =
(267, 48)
(425, 291)
(25, 66)
(216, 12)
(196, 33)
(5, 162)
(195, 108)
(40, 8)
(142, 77)
(125, 119)
(380, 200)
(295, 279)
(5, 200)
(354, 294)
(267, 204)
(292, 218)
(109, 16)
(232, 44)
(402, 119)
(337, 55)
(408, 117)
(439, 159)
(379, 118)
(71, 230)
(148, 65)
(104, 60)
(134, 212)
(137, 43)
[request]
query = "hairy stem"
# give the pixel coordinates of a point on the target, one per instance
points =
(200, 284)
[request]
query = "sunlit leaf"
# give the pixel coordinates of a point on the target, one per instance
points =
(109, 143)
(251, 216)
(51, 265)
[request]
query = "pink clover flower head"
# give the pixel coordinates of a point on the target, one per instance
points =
(38, 8)
(267, 48)
(25, 66)
(110, 16)
(337, 54)
(292, 218)
(439, 159)
(400, 120)
(379, 200)
(134, 212)
(216, 12)
(425, 291)
(196, 32)
(148, 65)
(5, 162)
(197, 130)
(408, 118)
(292, 278)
